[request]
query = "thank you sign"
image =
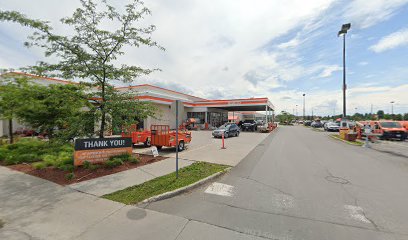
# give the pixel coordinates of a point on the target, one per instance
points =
(97, 150)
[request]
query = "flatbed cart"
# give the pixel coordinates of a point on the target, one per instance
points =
(162, 136)
(138, 137)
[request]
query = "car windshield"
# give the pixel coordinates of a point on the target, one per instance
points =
(390, 124)
(224, 126)
(248, 121)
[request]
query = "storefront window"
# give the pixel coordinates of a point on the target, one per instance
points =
(217, 119)
(197, 115)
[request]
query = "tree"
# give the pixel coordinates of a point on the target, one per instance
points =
(92, 52)
(406, 116)
(380, 114)
(125, 109)
(54, 109)
(11, 100)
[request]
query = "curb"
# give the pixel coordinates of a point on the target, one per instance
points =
(339, 139)
(183, 189)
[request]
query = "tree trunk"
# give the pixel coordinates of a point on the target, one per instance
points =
(11, 131)
(103, 118)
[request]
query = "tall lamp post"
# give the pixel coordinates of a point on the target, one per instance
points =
(343, 31)
(392, 109)
(304, 107)
(296, 111)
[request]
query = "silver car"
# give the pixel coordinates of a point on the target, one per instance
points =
(332, 126)
(229, 130)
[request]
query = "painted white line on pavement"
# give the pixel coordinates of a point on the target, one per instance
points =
(357, 213)
(220, 189)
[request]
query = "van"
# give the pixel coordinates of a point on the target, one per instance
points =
(404, 124)
(389, 130)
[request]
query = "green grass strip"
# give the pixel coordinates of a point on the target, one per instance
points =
(166, 183)
(356, 143)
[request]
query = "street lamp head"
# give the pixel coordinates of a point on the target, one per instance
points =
(304, 94)
(392, 102)
(344, 29)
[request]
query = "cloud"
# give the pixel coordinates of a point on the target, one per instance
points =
(393, 40)
(363, 63)
(329, 70)
(364, 14)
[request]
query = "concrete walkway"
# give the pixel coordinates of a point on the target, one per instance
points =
(118, 181)
(205, 148)
(33, 208)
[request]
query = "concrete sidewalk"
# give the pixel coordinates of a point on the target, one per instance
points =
(118, 181)
(33, 208)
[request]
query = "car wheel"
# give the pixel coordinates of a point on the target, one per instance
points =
(237, 133)
(147, 143)
(181, 146)
(225, 135)
(159, 147)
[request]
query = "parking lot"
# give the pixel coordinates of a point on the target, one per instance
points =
(204, 147)
(395, 147)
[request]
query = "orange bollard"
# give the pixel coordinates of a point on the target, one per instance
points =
(223, 146)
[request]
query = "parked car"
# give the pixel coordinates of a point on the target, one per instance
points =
(307, 123)
(316, 124)
(249, 125)
(229, 130)
(331, 126)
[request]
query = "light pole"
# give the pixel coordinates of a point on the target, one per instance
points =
(392, 109)
(296, 111)
(343, 31)
(304, 106)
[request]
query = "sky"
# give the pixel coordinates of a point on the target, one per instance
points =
(278, 49)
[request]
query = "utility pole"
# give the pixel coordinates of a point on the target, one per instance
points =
(304, 107)
(392, 110)
(296, 111)
(343, 31)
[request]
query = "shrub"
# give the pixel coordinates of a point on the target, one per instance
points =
(126, 157)
(39, 165)
(32, 150)
(16, 158)
(66, 167)
(113, 163)
(69, 176)
(3, 154)
(134, 160)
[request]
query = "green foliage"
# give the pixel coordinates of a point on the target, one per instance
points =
(34, 150)
(3, 153)
(125, 158)
(91, 52)
(11, 100)
(380, 114)
(113, 163)
(69, 176)
(54, 109)
(166, 183)
(285, 117)
(90, 166)
(39, 165)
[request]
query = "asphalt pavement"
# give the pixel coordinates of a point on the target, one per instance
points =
(300, 184)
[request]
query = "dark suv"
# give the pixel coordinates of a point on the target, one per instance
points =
(249, 125)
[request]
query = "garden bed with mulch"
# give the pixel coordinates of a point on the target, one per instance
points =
(81, 173)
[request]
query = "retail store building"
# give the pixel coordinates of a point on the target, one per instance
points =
(209, 113)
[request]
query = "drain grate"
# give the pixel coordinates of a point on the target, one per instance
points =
(337, 180)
